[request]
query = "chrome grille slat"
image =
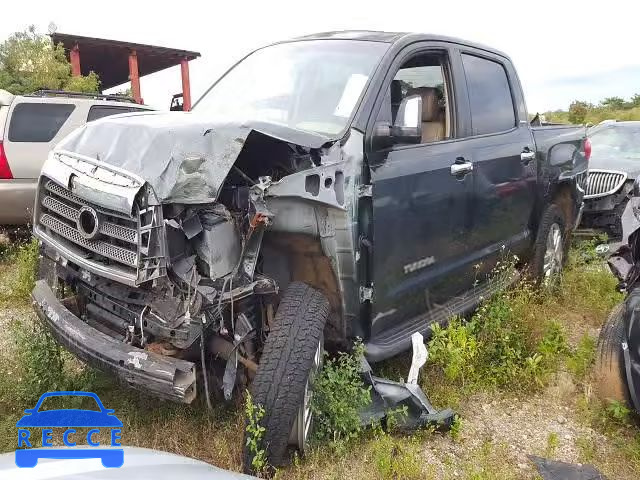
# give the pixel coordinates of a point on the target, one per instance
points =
(106, 228)
(60, 208)
(67, 195)
(100, 247)
(601, 183)
(119, 232)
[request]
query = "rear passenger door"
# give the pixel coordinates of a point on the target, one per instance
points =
(501, 147)
(32, 129)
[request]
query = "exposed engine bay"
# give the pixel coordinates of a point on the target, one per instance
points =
(198, 278)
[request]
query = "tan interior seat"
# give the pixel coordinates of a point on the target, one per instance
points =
(433, 127)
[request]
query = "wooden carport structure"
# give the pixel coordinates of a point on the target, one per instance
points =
(117, 62)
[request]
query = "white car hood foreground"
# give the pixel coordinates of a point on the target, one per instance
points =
(139, 464)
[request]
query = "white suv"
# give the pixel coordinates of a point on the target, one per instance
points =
(30, 126)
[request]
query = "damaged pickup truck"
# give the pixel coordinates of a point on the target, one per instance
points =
(338, 186)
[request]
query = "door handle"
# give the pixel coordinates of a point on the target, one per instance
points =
(461, 167)
(527, 155)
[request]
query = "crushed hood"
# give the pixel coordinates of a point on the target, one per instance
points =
(185, 157)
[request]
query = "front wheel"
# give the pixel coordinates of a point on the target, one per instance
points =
(550, 248)
(291, 357)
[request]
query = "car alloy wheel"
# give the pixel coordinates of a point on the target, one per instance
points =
(553, 255)
(302, 426)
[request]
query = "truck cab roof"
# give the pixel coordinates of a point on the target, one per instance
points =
(400, 38)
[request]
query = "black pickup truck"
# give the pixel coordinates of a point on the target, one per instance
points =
(336, 186)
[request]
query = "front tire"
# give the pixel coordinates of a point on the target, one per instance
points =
(550, 247)
(289, 358)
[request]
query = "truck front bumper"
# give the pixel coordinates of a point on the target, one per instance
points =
(165, 377)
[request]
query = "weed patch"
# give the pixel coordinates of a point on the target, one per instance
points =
(587, 288)
(339, 394)
(580, 361)
(41, 365)
(397, 457)
(489, 462)
(498, 347)
(255, 434)
(553, 442)
(25, 258)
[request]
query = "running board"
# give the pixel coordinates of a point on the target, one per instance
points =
(398, 340)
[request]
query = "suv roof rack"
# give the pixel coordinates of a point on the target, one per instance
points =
(95, 96)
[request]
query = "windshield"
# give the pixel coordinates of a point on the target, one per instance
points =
(309, 85)
(617, 141)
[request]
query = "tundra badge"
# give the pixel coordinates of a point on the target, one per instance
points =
(422, 263)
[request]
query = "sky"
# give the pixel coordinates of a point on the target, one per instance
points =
(563, 49)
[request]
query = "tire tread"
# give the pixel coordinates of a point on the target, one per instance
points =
(284, 366)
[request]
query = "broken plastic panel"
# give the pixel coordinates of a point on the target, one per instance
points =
(387, 395)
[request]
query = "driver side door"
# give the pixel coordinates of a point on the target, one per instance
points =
(421, 203)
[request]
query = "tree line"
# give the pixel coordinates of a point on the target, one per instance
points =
(580, 112)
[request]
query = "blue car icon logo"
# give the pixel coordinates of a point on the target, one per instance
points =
(68, 419)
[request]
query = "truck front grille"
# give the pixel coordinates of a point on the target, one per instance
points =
(601, 183)
(117, 238)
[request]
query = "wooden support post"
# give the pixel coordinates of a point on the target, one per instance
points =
(134, 76)
(186, 87)
(74, 56)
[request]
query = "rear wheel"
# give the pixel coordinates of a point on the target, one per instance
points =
(610, 374)
(550, 248)
(291, 357)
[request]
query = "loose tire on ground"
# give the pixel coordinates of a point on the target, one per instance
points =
(551, 216)
(610, 376)
(285, 365)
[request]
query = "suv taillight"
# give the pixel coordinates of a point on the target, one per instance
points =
(587, 148)
(5, 171)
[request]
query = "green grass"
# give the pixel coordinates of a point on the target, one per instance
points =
(18, 269)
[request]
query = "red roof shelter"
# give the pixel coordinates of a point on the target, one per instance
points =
(117, 62)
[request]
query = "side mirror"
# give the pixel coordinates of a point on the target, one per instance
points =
(408, 125)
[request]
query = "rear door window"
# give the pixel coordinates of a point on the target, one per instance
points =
(38, 122)
(101, 111)
(489, 95)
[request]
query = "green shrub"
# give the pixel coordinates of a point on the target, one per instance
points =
(339, 394)
(255, 434)
(618, 412)
(499, 347)
(455, 349)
